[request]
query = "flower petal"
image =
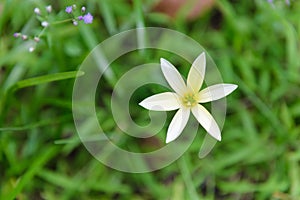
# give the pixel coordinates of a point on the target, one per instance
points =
(162, 102)
(196, 73)
(177, 124)
(173, 77)
(215, 92)
(207, 121)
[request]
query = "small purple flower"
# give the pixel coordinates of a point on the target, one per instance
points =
(80, 18)
(88, 18)
(69, 9)
(271, 3)
(16, 35)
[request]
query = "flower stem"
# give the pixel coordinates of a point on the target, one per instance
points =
(41, 33)
(63, 21)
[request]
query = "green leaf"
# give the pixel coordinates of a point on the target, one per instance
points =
(45, 79)
(28, 176)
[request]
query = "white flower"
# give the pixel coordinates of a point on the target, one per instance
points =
(45, 23)
(49, 8)
(31, 49)
(37, 11)
(187, 97)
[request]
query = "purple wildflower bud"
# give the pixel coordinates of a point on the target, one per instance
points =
(287, 2)
(31, 49)
(45, 24)
(16, 35)
(49, 8)
(37, 11)
(88, 18)
(36, 39)
(69, 9)
(83, 9)
(75, 23)
(80, 18)
(24, 37)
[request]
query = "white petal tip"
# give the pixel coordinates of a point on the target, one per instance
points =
(168, 140)
(217, 136)
(202, 58)
(215, 132)
(162, 60)
(165, 63)
(230, 88)
(142, 104)
(171, 138)
(234, 87)
(145, 105)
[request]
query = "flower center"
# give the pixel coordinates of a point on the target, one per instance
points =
(189, 100)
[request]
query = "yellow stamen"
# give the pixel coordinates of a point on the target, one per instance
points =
(190, 100)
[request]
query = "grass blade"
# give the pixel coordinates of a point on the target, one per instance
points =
(45, 79)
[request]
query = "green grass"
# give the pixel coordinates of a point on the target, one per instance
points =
(254, 45)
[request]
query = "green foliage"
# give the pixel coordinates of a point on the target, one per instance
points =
(254, 44)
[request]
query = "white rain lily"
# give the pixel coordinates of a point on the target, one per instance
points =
(187, 97)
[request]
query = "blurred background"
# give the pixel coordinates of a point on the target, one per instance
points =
(255, 44)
